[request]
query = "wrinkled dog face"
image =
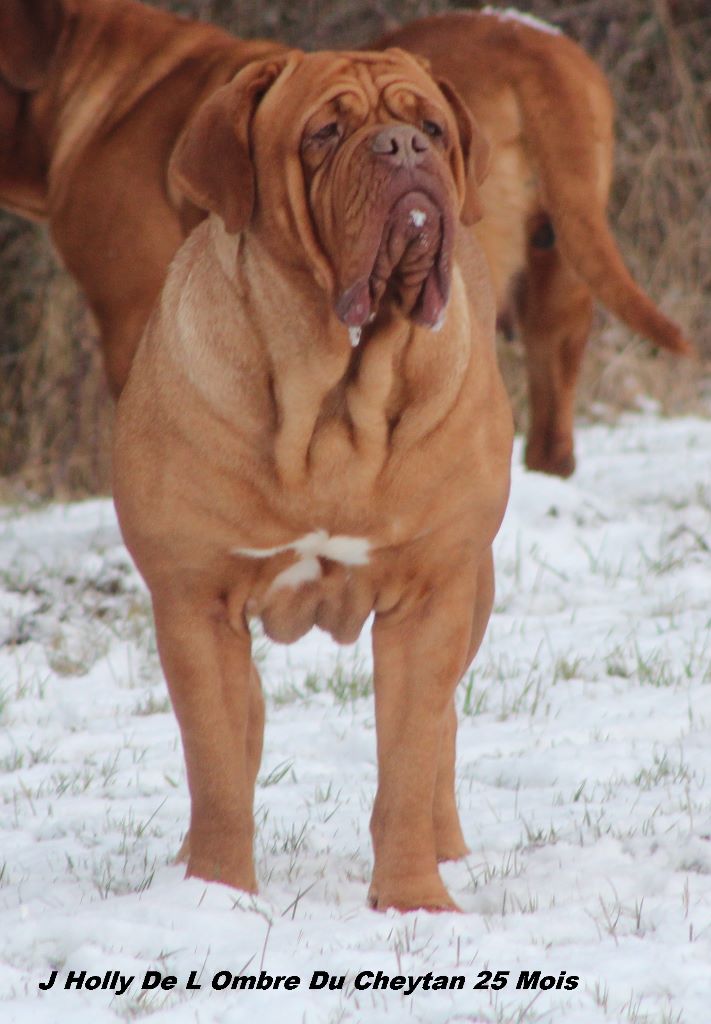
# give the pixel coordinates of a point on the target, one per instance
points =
(376, 158)
(383, 172)
(358, 162)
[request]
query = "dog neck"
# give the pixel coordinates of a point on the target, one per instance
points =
(334, 408)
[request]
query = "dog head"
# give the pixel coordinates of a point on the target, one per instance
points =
(360, 162)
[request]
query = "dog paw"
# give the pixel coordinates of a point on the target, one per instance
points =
(236, 878)
(556, 459)
(442, 906)
(406, 896)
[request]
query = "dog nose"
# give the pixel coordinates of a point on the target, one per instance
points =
(402, 144)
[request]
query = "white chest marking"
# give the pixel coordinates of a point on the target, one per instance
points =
(308, 549)
(511, 14)
(418, 218)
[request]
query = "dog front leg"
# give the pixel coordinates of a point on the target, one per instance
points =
(449, 839)
(419, 658)
(216, 696)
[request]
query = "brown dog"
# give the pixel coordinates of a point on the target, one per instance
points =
(310, 432)
(94, 95)
(547, 111)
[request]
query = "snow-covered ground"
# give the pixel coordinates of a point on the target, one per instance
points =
(584, 774)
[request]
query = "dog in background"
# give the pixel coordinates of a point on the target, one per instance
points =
(547, 111)
(94, 95)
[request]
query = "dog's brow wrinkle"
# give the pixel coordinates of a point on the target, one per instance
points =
(365, 76)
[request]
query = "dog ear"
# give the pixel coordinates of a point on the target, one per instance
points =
(211, 164)
(475, 151)
(29, 33)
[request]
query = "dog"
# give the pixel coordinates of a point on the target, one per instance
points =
(95, 95)
(314, 428)
(547, 112)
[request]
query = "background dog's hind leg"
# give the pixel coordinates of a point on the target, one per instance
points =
(554, 312)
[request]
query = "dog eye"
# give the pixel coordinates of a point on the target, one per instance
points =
(432, 129)
(330, 131)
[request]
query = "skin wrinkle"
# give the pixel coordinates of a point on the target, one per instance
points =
(415, 258)
(358, 190)
(383, 95)
(377, 429)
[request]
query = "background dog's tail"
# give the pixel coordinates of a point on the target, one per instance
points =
(575, 168)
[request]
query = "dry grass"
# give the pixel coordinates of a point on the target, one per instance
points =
(55, 418)
(55, 414)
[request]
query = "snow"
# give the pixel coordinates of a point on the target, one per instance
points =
(511, 14)
(584, 761)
